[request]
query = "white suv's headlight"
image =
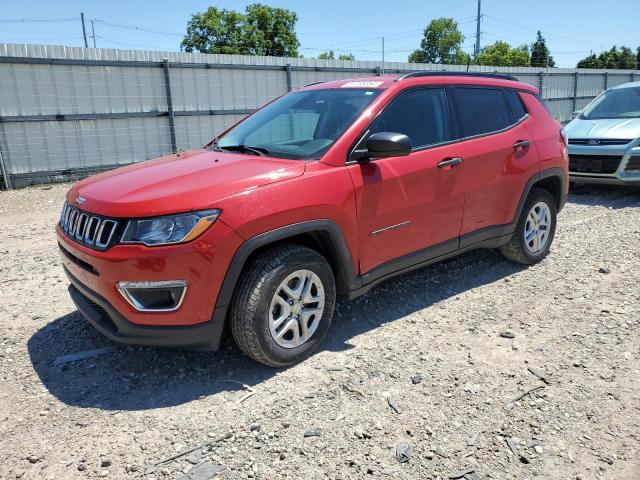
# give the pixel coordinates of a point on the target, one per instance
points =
(169, 229)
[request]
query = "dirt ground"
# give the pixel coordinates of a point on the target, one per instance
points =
(419, 368)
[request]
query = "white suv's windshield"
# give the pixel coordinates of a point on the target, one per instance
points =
(617, 103)
(300, 125)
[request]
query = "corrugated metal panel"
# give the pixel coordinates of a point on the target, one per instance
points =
(44, 89)
(200, 89)
(45, 146)
(196, 131)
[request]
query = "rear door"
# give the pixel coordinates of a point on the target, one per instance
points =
(499, 155)
(408, 204)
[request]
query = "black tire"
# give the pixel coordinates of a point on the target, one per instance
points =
(516, 250)
(252, 301)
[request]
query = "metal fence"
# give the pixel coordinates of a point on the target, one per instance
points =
(68, 112)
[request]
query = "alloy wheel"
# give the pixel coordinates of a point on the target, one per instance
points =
(537, 228)
(296, 308)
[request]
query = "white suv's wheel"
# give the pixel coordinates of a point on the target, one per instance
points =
(535, 230)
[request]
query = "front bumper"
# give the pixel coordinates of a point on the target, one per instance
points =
(603, 180)
(626, 172)
(108, 321)
(196, 322)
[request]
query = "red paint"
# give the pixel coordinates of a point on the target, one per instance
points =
(259, 194)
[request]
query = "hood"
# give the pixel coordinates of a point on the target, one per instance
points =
(193, 180)
(617, 128)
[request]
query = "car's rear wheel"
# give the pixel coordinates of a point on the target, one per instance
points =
(283, 305)
(535, 230)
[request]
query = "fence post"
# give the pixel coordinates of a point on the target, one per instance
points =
(606, 80)
(289, 85)
(172, 118)
(575, 91)
(541, 82)
(378, 71)
(5, 174)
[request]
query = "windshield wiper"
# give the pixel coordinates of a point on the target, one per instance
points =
(241, 148)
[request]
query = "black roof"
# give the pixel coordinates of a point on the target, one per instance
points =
(431, 73)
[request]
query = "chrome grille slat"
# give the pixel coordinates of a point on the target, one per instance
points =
(87, 229)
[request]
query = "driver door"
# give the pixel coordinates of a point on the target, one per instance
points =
(410, 206)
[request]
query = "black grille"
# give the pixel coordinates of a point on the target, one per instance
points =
(633, 164)
(79, 262)
(594, 142)
(92, 310)
(593, 163)
(93, 231)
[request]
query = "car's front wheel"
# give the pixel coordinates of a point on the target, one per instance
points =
(283, 305)
(536, 228)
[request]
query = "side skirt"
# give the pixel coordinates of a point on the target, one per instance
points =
(490, 237)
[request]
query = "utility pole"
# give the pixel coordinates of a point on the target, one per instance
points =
(93, 34)
(84, 31)
(382, 56)
(476, 48)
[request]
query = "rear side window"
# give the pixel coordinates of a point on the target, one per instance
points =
(515, 104)
(481, 110)
(421, 114)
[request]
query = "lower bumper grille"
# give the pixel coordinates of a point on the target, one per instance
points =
(594, 163)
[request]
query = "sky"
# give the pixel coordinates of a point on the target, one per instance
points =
(572, 28)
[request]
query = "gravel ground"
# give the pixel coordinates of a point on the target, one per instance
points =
(425, 369)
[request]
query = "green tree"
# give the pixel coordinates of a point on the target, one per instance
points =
(638, 58)
(261, 30)
(540, 55)
(500, 54)
(589, 62)
(347, 56)
(622, 59)
(271, 31)
(441, 44)
(331, 56)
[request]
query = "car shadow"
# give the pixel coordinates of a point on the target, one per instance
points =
(140, 378)
(611, 196)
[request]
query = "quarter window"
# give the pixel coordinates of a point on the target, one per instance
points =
(481, 110)
(421, 115)
(515, 104)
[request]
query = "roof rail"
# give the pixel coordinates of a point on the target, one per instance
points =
(314, 83)
(431, 73)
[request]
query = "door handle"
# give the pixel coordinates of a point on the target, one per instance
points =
(520, 145)
(450, 162)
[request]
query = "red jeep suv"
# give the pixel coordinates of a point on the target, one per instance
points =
(324, 192)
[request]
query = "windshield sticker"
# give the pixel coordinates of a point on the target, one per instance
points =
(362, 84)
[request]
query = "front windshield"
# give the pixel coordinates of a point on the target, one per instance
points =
(300, 125)
(617, 103)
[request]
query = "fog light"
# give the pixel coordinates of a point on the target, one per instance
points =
(163, 296)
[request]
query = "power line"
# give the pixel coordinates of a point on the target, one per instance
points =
(547, 33)
(118, 42)
(37, 20)
(135, 27)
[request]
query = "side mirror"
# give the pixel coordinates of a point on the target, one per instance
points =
(387, 144)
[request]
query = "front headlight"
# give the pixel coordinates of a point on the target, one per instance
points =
(169, 229)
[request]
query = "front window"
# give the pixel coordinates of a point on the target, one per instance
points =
(300, 125)
(617, 103)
